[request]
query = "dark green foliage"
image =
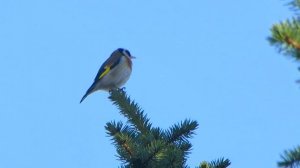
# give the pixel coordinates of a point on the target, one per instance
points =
(290, 158)
(286, 37)
(286, 34)
(131, 111)
(139, 144)
(219, 163)
(295, 5)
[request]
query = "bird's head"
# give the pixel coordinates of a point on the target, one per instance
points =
(125, 52)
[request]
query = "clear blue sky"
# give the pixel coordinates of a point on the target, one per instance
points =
(204, 60)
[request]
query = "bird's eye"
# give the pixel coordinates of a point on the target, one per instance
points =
(126, 52)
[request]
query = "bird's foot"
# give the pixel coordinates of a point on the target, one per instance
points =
(117, 89)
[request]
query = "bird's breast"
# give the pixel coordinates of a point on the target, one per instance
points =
(117, 76)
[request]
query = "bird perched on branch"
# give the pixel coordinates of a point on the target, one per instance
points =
(113, 73)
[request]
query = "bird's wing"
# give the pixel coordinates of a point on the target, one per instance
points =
(107, 66)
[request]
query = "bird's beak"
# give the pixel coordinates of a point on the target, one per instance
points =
(133, 57)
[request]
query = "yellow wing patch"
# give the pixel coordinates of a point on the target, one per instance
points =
(107, 69)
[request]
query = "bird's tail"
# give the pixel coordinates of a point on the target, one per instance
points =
(88, 92)
(85, 95)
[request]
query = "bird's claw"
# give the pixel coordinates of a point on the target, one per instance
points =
(117, 89)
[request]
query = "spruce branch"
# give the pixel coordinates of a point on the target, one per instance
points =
(204, 164)
(141, 145)
(130, 110)
(295, 5)
(219, 163)
(286, 37)
(157, 133)
(290, 158)
(182, 131)
(113, 128)
(178, 133)
(167, 156)
(173, 157)
(122, 137)
(185, 147)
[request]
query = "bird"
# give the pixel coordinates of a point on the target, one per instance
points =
(113, 73)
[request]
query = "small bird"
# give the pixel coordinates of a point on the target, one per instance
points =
(113, 73)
